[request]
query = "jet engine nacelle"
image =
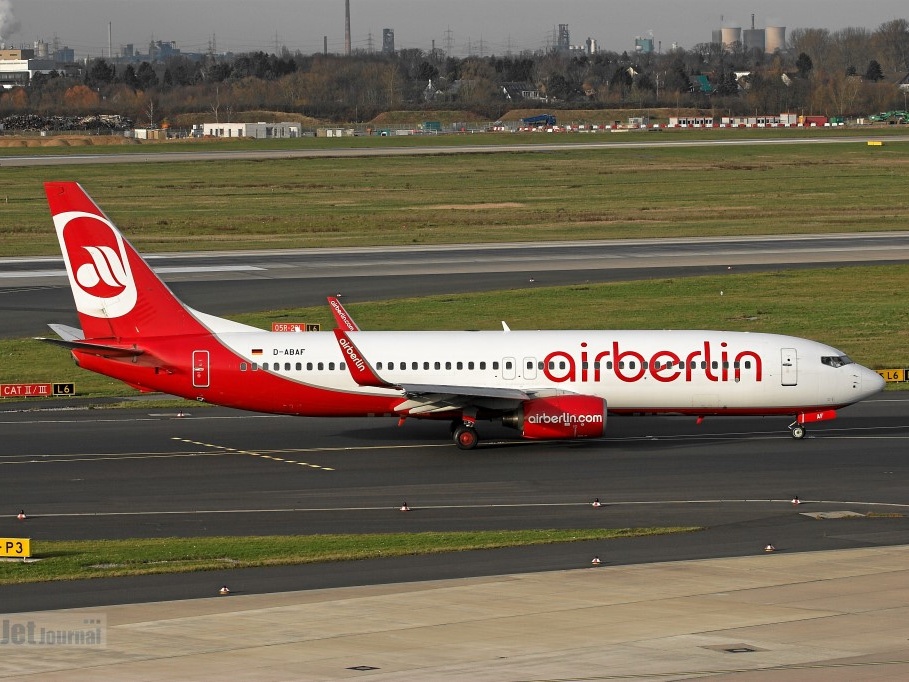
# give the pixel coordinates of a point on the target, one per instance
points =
(564, 416)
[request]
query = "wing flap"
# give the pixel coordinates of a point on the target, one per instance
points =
(426, 390)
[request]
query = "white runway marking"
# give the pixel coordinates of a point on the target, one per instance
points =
(168, 270)
(604, 509)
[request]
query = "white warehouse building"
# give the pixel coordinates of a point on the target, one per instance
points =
(18, 67)
(254, 130)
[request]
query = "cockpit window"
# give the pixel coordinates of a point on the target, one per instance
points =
(836, 360)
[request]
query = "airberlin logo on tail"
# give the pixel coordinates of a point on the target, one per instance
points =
(97, 264)
(104, 275)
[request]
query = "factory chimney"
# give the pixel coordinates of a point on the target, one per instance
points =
(347, 27)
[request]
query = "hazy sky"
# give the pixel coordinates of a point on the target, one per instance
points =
(496, 26)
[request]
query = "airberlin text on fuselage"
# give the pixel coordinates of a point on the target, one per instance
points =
(664, 365)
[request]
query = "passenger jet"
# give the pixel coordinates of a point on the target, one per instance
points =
(548, 385)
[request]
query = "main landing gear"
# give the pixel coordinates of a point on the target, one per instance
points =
(464, 434)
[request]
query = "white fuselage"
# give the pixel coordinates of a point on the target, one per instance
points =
(638, 371)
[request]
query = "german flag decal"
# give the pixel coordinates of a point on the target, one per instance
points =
(257, 351)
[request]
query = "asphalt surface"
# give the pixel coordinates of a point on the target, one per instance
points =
(82, 473)
(624, 141)
(33, 291)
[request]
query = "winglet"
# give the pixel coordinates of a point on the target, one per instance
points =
(342, 317)
(360, 369)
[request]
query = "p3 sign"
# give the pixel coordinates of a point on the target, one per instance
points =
(17, 548)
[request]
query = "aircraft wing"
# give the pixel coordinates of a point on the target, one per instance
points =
(427, 398)
(419, 390)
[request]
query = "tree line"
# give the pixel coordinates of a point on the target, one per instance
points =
(851, 72)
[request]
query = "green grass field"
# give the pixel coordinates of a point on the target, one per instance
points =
(73, 560)
(581, 194)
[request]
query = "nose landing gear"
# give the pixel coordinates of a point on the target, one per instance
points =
(797, 430)
(798, 426)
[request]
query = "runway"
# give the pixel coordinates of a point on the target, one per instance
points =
(150, 473)
(224, 153)
(33, 291)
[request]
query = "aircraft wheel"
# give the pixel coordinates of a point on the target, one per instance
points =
(466, 438)
(798, 432)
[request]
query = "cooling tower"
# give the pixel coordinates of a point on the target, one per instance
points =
(775, 38)
(731, 35)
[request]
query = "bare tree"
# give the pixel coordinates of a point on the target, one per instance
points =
(891, 45)
(216, 105)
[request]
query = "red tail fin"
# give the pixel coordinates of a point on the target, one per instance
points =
(117, 294)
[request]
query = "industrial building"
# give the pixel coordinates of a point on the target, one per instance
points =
(253, 130)
(768, 40)
(17, 67)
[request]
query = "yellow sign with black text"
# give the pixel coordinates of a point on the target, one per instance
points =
(894, 374)
(16, 548)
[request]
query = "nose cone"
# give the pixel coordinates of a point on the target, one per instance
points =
(872, 382)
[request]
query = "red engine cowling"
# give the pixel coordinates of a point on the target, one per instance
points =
(564, 416)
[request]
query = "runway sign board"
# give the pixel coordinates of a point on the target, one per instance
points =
(36, 390)
(15, 548)
(295, 327)
(894, 374)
